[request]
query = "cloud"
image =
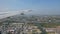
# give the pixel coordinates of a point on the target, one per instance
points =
(10, 12)
(26, 11)
(3, 9)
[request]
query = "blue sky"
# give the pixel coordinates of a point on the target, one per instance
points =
(38, 6)
(30, 4)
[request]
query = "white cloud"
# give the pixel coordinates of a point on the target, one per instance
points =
(26, 11)
(11, 12)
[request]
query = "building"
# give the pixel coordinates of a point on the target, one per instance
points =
(22, 28)
(58, 29)
(51, 30)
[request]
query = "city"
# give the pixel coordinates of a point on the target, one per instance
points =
(30, 25)
(29, 16)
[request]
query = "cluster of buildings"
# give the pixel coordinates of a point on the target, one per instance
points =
(26, 28)
(20, 28)
(53, 30)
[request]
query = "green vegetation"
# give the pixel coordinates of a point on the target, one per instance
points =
(0, 23)
(48, 25)
(40, 27)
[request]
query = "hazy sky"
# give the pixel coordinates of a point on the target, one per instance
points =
(12, 7)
